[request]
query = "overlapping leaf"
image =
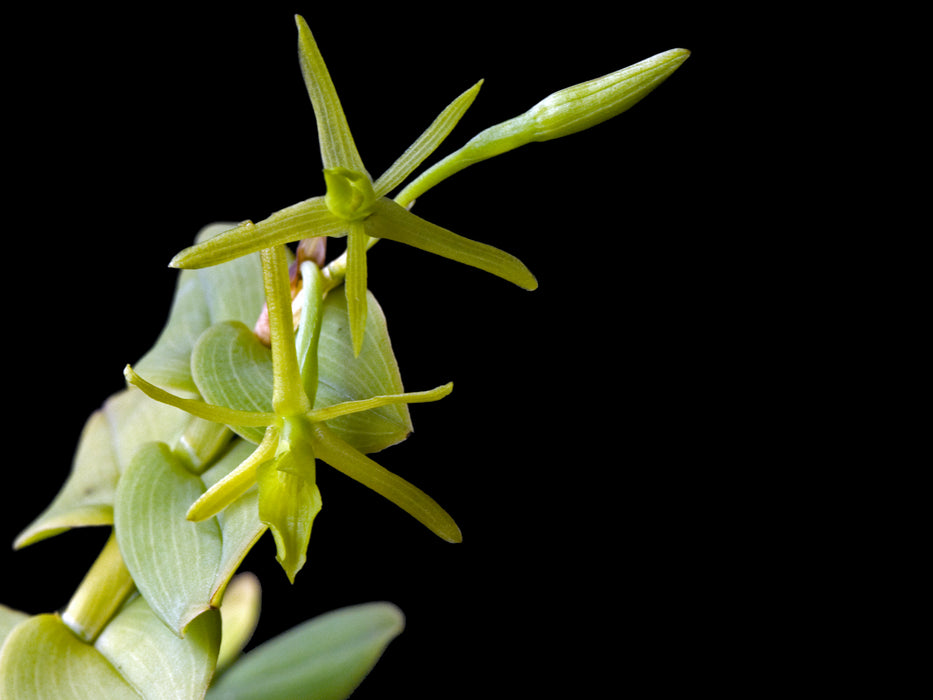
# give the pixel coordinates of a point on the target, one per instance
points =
(181, 567)
(232, 368)
(325, 658)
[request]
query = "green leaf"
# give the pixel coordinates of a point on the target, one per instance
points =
(110, 438)
(396, 223)
(325, 658)
(239, 522)
(346, 377)
(10, 618)
(232, 368)
(42, 660)
(156, 662)
(231, 292)
(173, 561)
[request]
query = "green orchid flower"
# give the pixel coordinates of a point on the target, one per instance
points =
(354, 206)
(296, 435)
(358, 208)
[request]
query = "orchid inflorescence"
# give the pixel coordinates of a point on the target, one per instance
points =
(358, 208)
(271, 360)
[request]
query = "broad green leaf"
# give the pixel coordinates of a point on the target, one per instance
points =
(43, 660)
(375, 372)
(239, 522)
(396, 223)
(240, 615)
(232, 291)
(110, 438)
(10, 618)
(232, 368)
(174, 562)
(154, 660)
(325, 658)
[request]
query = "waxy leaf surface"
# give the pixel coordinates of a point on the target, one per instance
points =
(154, 660)
(232, 368)
(110, 438)
(173, 561)
(43, 660)
(325, 658)
(232, 291)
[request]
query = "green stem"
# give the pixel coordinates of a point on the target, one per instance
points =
(106, 586)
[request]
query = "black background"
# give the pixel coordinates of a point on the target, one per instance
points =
(597, 432)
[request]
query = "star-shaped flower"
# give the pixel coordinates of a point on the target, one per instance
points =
(296, 435)
(354, 206)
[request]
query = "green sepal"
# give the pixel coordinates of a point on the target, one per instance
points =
(392, 221)
(305, 219)
(344, 458)
(426, 144)
(337, 146)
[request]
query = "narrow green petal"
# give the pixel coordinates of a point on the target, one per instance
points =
(288, 397)
(347, 407)
(406, 496)
(303, 220)
(356, 283)
(218, 414)
(237, 482)
(396, 223)
(337, 146)
(426, 144)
